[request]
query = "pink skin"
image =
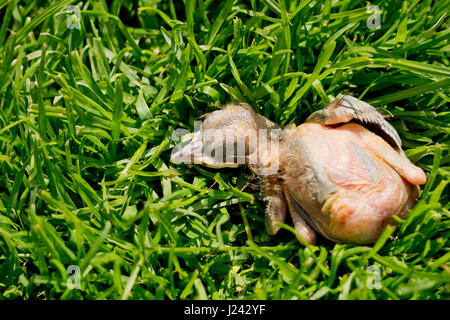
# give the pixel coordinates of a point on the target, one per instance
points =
(338, 179)
(368, 182)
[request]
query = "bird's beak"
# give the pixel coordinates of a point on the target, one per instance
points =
(189, 152)
(196, 153)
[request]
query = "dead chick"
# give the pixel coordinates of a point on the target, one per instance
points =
(342, 173)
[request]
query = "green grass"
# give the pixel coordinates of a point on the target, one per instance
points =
(86, 118)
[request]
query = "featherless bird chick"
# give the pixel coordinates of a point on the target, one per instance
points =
(342, 173)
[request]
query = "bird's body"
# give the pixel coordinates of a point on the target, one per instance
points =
(339, 176)
(336, 177)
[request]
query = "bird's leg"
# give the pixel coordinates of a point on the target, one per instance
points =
(300, 225)
(272, 194)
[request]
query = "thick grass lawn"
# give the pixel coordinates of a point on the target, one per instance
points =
(92, 91)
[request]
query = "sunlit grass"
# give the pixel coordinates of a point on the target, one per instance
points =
(87, 111)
